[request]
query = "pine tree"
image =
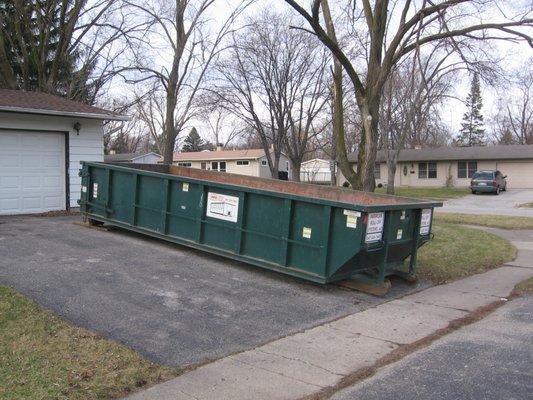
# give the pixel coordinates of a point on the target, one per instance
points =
(193, 142)
(31, 48)
(472, 131)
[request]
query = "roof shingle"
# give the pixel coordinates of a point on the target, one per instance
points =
(43, 103)
(250, 154)
(500, 152)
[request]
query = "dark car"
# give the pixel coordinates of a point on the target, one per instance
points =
(488, 181)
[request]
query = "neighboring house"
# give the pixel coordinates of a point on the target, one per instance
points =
(252, 162)
(43, 138)
(455, 165)
(316, 170)
(134, 158)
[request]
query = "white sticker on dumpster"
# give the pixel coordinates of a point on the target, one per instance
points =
(374, 228)
(222, 206)
(306, 232)
(95, 190)
(399, 234)
(185, 187)
(425, 221)
(351, 218)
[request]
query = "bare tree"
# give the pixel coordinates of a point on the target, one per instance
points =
(181, 29)
(514, 121)
(411, 96)
(390, 39)
(223, 130)
(273, 80)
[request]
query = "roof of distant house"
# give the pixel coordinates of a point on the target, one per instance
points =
(126, 157)
(46, 104)
(249, 154)
(499, 152)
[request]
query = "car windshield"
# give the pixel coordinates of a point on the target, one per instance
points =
(483, 175)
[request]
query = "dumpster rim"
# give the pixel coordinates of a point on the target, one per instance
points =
(356, 207)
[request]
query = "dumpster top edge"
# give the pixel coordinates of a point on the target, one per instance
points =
(327, 193)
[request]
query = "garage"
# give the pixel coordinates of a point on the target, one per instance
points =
(43, 138)
(32, 174)
(519, 174)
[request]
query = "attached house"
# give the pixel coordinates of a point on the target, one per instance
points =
(455, 165)
(43, 138)
(134, 158)
(252, 162)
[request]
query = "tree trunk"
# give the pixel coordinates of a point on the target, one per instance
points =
(391, 173)
(338, 109)
(295, 170)
(368, 148)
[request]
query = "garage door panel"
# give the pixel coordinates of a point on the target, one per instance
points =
(32, 177)
(8, 141)
(9, 182)
(9, 160)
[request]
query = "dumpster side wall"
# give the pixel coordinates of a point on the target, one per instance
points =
(318, 241)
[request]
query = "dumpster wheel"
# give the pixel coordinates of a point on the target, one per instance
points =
(366, 287)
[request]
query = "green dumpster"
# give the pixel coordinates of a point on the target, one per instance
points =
(319, 233)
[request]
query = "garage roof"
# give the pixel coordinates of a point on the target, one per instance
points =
(126, 157)
(247, 154)
(500, 152)
(47, 104)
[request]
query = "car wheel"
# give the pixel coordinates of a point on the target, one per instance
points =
(473, 192)
(505, 188)
(497, 192)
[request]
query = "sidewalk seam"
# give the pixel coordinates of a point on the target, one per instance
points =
(278, 373)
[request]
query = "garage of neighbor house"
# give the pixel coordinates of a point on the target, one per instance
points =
(43, 138)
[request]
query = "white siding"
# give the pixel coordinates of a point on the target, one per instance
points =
(88, 146)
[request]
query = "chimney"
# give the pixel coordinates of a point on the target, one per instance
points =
(219, 146)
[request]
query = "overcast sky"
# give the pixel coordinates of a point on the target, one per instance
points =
(512, 55)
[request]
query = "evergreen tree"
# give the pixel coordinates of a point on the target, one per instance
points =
(472, 131)
(30, 37)
(193, 142)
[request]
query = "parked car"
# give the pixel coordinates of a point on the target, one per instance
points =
(488, 181)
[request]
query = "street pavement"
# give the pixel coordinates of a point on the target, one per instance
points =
(491, 359)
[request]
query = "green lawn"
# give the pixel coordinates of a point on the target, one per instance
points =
(524, 288)
(42, 356)
(458, 251)
(493, 221)
(438, 193)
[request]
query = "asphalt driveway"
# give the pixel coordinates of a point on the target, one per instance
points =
(506, 203)
(174, 305)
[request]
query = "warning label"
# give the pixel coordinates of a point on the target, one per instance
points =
(222, 206)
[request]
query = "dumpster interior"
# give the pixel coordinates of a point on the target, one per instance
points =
(342, 195)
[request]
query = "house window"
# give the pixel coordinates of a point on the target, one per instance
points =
(287, 165)
(377, 171)
(427, 170)
(263, 163)
(466, 169)
(185, 164)
(202, 165)
(243, 162)
(218, 166)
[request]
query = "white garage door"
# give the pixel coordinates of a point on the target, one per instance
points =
(32, 172)
(519, 174)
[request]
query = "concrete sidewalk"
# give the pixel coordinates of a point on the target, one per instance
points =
(304, 363)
